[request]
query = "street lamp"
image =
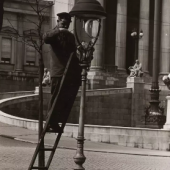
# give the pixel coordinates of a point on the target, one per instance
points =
(154, 116)
(136, 36)
(88, 12)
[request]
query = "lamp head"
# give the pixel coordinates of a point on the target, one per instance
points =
(88, 9)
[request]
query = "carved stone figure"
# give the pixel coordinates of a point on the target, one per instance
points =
(166, 80)
(46, 78)
(136, 70)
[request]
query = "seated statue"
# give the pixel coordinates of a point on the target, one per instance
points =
(136, 70)
(46, 78)
(166, 80)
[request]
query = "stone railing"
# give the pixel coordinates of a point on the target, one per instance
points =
(145, 138)
(111, 107)
(15, 94)
(125, 136)
(17, 121)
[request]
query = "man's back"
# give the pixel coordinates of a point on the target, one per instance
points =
(62, 44)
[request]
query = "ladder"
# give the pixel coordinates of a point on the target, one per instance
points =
(45, 129)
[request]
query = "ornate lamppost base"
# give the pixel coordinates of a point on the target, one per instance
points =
(154, 117)
(79, 158)
(154, 121)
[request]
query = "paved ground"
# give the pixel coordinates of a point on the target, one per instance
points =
(16, 155)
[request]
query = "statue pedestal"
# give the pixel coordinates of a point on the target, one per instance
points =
(167, 124)
(45, 89)
(137, 85)
(101, 80)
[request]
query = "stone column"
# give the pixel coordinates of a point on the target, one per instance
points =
(110, 36)
(0, 47)
(98, 60)
(36, 58)
(20, 55)
(154, 117)
(165, 39)
(121, 26)
(137, 109)
(97, 77)
(167, 124)
(143, 52)
(13, 51)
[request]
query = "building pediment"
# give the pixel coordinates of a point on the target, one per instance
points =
(31, 32)
(9, 30)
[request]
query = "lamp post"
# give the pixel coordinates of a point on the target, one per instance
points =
(154, 116)
(136, 36)
(88, 12)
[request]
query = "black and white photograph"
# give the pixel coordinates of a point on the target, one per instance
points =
(85, 84)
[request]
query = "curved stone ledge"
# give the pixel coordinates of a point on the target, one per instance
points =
(94, 92)
(17, 121)
(19, 99)
(156, 139)
(20, 122)
(15, 94)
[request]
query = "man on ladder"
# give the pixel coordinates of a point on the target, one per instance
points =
(65, 83)
(63, 45)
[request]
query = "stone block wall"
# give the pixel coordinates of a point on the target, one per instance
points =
(110, 107)
(11, 82)
(26, 110)
(12, 86)
(154, 139)
(137, 85)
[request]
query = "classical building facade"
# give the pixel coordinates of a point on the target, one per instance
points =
(115, 49)
(18, 60)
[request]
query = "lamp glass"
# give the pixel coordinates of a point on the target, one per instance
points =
(87, 30)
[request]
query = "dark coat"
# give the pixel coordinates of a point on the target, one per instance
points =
(62, 43)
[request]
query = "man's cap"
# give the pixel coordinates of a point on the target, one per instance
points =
(64, 15)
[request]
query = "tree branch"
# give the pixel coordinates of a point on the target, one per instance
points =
(32, 22)
(30, 4)
(50, 4)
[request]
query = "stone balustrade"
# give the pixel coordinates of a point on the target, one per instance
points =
(157, 139)
(14, 120)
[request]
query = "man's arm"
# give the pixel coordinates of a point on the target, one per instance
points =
(49, 36)
(140, 66)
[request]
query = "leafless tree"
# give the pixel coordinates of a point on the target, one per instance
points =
(40, 8)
